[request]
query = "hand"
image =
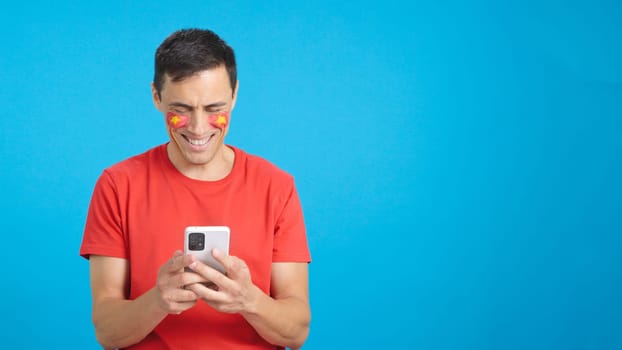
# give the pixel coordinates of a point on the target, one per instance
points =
(172, 296)
(234, 292)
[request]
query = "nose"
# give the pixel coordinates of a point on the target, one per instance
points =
(198, 123)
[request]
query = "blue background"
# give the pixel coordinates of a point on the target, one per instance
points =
(459, 164)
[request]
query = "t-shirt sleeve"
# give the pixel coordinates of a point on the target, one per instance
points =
(103, 232)
(290, 241)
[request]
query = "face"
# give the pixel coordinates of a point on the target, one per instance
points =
(194, 109)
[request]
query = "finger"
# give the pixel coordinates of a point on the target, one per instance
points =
(211, 274)
(222, 258)
(183, 296)
(170, 264)
(233, 265)
(179, 261)
(208, 294)
(177, 300)
(178, 308)
(186, 278)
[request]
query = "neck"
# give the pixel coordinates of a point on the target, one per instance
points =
(215, 169)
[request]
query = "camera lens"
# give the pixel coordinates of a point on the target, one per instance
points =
(196, 241)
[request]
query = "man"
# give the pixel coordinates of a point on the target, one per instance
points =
(146, 293)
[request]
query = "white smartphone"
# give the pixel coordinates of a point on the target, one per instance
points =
(201, 240)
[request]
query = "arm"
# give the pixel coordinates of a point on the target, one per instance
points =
(284, 318)
(281, 319)
(120, 322)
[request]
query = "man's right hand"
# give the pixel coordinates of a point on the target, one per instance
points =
(121, 322)
(173, 298)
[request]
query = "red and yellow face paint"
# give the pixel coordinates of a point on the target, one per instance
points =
(219, 120)
(177, 121)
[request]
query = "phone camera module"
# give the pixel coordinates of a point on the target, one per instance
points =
(196, 241)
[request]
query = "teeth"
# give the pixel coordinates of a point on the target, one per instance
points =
(198, 142)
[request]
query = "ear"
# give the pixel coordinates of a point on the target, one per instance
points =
(235, 94)
(156, 98)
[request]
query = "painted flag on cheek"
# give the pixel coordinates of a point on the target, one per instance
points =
(219, 120)
(176, 120)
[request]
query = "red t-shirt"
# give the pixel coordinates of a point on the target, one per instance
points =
(141, 206)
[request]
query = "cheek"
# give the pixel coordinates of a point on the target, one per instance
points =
(219, 120)
(176, 121)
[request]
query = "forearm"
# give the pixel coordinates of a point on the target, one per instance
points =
(121, 323)
(283, 322)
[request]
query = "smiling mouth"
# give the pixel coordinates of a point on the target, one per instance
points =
(200, 143)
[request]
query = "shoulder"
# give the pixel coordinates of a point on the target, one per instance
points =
(135, 163)
(266, 180)
(134, 167)
(261, 169)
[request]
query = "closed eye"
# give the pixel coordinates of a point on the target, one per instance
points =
(215, 107)
(180, 108)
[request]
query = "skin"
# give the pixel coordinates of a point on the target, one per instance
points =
(281, 318)
(198, 97)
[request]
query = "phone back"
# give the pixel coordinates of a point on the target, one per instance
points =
(200, 241)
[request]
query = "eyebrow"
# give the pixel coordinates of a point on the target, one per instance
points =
(209, 106)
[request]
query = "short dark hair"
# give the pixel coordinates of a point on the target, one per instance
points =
(189, 51)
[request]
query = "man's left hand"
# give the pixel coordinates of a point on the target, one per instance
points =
(234, 292)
